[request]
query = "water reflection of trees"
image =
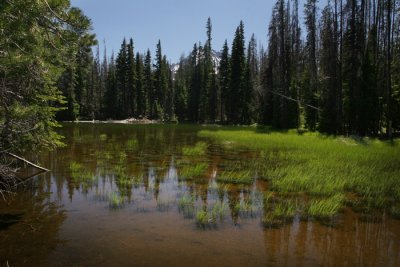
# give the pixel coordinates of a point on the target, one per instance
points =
(152, 168)
(353, 243)
(36, 222)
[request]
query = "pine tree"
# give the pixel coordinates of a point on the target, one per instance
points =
(296, 68)
(328, 73)
(224, 82)
(181, 91)
(122, 87)
(103, 84)
(269, 111)
(34, 43)
(149, 87)
(194, 91)
(141, 95)
(131, 105)
(111, 95)
(160, 83)
(238, 65)
(311, 82)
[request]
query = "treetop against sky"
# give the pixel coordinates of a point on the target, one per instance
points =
(177, 23)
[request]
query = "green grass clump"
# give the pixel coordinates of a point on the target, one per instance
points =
(198, 150)
(190, 172)
(320, 166)
(208, 218)
(80, 174)
(131, 144)
(115, 201)
(204, 218)
(186, 206)
(325, 208)
(103, 137)
(279, 213)
(246, 208)
(236, 177)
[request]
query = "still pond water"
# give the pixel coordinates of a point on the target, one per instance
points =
(124, 195)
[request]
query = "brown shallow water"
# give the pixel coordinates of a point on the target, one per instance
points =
(116, 197)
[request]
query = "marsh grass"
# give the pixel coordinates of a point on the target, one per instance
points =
(322, 167)
(190, 172)
(280, 213)
(131, 144)
(80, 174)
(236, 177)
(198, 150)
(115, 201)
(247, 209)
(325, 208)
(207, 218)
(186, 206)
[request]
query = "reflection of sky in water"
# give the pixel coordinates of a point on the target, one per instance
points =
(116, 196)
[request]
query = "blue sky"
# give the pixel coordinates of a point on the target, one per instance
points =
(177, 23)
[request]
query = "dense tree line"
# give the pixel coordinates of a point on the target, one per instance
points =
(340, 76)
(39, 40)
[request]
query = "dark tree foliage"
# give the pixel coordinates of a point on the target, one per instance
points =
(237, 91)
(224, 81)
(39, 44)
(341, 77)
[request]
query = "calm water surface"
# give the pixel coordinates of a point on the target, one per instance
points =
(123, 195)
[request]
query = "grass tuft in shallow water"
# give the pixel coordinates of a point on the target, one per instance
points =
(236, 177)
(279, 213)
(115, 201)
(190, 172)
(325, 208)
(321, 167)
(198, 150)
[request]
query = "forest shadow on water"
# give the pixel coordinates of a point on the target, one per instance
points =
(152, 195)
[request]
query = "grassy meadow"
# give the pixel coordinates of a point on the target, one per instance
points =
(328, 172)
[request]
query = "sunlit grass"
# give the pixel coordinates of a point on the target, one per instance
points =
(325, 208)
(198, 150)
(321, 166)
(236, 177)
(189, 172)
(277, 214)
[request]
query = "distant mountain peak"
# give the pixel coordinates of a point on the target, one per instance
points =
(215, 57)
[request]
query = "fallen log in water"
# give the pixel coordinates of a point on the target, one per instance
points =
(10, 178)
(28, 162)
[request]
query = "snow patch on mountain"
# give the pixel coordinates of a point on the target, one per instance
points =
(216, 59)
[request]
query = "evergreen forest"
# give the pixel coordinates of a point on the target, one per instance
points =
(334, 69)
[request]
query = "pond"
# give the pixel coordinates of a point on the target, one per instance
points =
(151, 195)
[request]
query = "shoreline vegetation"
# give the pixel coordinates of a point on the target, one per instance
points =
(124, 121)
(330, 172)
